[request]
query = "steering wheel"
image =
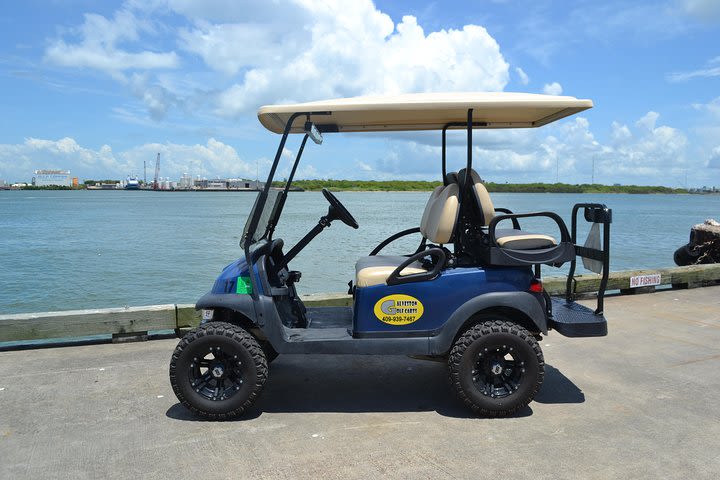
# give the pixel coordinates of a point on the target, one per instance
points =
(338, 210)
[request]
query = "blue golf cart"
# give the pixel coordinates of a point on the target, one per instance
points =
(470, 294)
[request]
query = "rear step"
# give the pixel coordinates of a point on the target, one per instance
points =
(574, 320)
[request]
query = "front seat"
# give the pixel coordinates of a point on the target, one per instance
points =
(437, 225)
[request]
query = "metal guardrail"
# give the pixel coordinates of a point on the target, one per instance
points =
(138, 321)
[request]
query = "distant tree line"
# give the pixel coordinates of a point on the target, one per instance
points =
(47, 187)
(420, 185)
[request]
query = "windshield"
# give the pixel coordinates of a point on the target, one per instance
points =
(264, 226)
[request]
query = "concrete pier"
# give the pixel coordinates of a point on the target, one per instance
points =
(642, 402)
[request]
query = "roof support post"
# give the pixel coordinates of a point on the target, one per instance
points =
(444, 154)
(470, 125)
(469, 151)
(295, 165)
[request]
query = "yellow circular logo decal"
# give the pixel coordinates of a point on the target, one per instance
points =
(398, 309)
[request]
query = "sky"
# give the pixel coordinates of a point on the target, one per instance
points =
(98, 88)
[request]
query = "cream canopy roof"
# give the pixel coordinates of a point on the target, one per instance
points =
(426, 111)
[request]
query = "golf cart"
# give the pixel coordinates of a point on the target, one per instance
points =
(470, 294)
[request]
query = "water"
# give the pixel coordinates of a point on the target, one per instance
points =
(63, 250)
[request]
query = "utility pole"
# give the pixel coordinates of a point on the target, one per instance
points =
(144, 172)
(593, 173)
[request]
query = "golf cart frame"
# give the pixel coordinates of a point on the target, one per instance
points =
(454, 294)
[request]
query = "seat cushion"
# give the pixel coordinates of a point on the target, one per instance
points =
(375, 269)
(520, 240)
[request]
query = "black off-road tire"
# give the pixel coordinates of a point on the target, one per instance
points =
(241, 360)
(686, 255)
(488, 345)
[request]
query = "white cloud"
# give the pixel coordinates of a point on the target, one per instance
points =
(714, 160)
(215, 158)
(711, 69)
(352, 49)
(18, 161)
(648, 120)
(703, 10)
(552, 89)
(522, 76)
(363, 166)
(648, 154)
(280, 51)
(620, 133)
(712, 107)
(98, 48)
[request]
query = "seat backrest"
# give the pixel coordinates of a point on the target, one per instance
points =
(428, 207)
(480, 194)
(442, 214)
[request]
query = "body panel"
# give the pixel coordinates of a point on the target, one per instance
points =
(438, 298)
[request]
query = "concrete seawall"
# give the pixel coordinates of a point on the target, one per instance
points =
(134, 323)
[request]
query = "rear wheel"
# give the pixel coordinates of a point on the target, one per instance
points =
(218, 370)
(496, 367)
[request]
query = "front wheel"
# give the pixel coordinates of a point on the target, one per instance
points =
(218, 370)
(496, 367)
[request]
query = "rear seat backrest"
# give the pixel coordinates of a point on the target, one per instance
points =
(439, 225)
(482, 197)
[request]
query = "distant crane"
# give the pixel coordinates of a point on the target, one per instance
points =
(156, 185)
(144, 174)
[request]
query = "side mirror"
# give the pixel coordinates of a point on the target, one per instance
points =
(313, 132)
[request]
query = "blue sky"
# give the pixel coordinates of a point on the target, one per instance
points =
(99, 87)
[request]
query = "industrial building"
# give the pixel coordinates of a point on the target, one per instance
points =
(47, 178)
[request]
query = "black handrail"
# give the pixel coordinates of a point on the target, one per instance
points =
(564, 235)
(440, 258)
(394, 237)
(595, 213)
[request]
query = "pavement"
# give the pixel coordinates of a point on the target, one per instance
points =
(643, 402)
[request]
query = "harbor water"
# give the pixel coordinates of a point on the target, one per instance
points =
(62, 250)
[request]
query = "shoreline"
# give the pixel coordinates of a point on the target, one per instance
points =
(643, 191)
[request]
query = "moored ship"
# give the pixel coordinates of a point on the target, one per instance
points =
(132, 184)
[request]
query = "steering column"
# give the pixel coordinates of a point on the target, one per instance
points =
(336, 211)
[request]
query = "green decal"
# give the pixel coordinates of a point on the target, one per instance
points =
(244, 286)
